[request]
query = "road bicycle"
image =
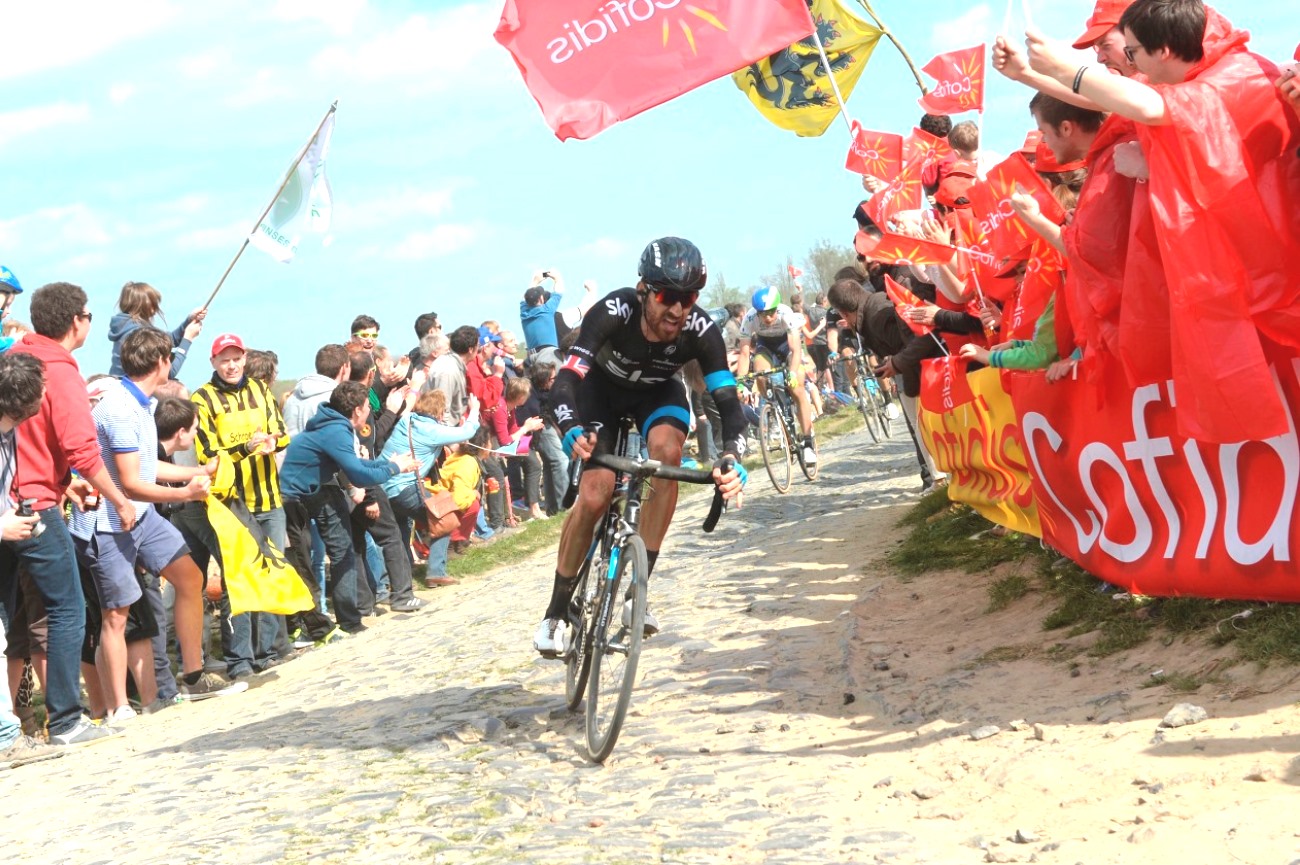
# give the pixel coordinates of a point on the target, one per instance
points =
(870, 399)
(780, 438)
(605, 648)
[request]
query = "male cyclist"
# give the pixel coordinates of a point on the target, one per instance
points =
(770, 332)
(629, 349)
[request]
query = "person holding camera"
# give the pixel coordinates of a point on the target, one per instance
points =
(22, 384)
(57, 440)
(537, 317)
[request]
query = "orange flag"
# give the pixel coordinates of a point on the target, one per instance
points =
(960, 82)
(900, 249)
(879, 154)
(905, 302)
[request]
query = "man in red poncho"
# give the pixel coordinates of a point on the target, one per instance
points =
(1218, 138)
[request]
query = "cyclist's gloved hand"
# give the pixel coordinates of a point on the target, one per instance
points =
(569, 438)
(730, 487)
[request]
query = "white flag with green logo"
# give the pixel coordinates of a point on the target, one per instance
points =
(304, 204)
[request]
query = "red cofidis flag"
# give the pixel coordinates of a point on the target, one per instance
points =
(591, 64)
(959, 77)
(879, 154)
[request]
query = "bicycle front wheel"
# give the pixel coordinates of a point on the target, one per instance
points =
(867, 406)
(577, 664)
(774, 444)
(615, 650)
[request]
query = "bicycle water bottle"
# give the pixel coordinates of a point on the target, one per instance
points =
(632, 445)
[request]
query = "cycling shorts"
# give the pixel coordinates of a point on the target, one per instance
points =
(602, 404)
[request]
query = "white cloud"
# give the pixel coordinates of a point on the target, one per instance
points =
(25, 121)
(338, 15)
(206, 64)
(604, 247)
(45, 36)
(227, 236)
(435, 243)
(973, 26)
(119, 93)
(266, 85)
(71, 226)
(442, 51)
(386, 210)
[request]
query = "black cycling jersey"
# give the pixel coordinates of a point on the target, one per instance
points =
(611, 341)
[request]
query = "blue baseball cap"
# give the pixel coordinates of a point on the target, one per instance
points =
(7, 278)
(485, 335)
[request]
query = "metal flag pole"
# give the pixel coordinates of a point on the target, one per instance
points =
(835, 85)
(293, 167)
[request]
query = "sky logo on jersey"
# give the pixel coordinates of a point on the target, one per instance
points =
(618, 308)
(699, 324)
(577, 365)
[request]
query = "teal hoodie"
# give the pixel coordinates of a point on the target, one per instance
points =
(325, 447)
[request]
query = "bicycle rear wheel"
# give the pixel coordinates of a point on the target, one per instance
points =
(775, 445)
(882, 414)
(867, 407)
(615, 651)
(577, 664)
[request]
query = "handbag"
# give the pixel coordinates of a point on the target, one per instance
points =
(440, 507)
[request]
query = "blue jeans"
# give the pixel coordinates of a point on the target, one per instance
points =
(406, 507)
(318, 562)
(376, 573)
(51, 562)
(329, 508)
(555, 466)
(248, 640)
(10, 727)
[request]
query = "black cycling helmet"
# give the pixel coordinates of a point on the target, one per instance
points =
(671, 262)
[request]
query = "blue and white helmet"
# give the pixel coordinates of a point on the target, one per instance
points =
(8, 279)
(766, 298)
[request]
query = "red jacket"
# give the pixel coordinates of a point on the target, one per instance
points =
(492, 407)
(61, 435)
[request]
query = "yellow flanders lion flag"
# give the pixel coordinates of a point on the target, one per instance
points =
(790, 88)
(258, 578)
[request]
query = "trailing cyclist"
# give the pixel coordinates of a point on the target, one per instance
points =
(770, 332)
(625, 363)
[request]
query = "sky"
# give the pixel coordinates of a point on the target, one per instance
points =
(141, 139)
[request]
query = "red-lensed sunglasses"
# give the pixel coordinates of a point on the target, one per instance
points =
(672, 296)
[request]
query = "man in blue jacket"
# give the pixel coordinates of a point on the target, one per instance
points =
(329, 445)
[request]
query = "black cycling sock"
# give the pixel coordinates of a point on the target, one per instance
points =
(651, 557)
(561, 593)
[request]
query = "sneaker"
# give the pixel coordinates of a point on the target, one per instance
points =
(159, 704)
(83, 733)
(300, 640)
(26, 749)
(333, 636)
(209, 685)
(409, 606)
(119, 716)
(651, 626)
(552, 638)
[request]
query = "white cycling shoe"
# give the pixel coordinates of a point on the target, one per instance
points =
(552, 638)
(809, 455)
(651, 626)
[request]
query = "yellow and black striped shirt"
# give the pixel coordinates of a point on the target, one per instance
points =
(229, 415)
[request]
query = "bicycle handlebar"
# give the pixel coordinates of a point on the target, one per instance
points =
(650, 469)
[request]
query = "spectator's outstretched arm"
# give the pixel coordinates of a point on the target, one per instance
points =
(1123, 96)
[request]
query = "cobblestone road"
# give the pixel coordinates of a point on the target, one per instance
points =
(801, 706)
(440, 736)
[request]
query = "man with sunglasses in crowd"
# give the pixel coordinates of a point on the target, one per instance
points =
(625, 363)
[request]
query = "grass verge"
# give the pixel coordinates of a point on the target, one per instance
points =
(948, 536)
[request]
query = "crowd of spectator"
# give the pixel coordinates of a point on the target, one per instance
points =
(108, 554)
